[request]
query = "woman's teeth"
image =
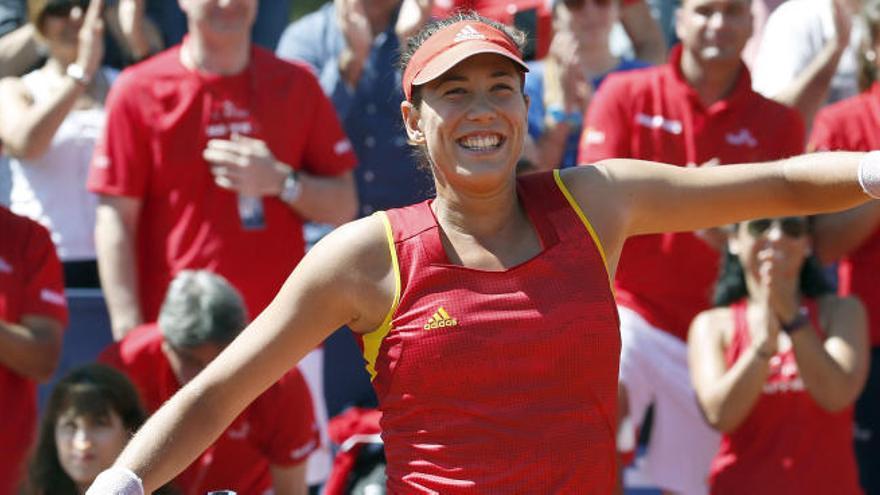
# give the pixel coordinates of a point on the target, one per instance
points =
(481, 143)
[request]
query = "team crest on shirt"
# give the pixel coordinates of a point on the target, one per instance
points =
(440, 319)
(741, 138)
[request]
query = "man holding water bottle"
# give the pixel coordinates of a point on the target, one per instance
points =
(213, 154)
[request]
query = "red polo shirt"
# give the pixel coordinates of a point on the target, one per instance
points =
(31, 283)
(278, 428)
(654, 114)
(160, 116)
(854, 125)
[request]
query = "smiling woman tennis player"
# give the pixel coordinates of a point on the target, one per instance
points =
(519, 392)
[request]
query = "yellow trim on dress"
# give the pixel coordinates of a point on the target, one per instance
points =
(373, 340)
(580, 213)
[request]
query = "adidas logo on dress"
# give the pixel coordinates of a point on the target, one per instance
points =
(440, 319)
(468, 33)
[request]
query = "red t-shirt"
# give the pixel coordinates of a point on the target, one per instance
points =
(160, 116)
(654, 114)
(31, 283)
(500, 381)
(278, 428)
(787, 444)
(854, 125)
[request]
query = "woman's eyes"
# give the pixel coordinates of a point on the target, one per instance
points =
(457, 91)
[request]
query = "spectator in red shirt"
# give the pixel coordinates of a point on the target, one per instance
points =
(853, 237)
(33, 313)
(697, 110)
(214, 152)
(777, 366)
(266, 445)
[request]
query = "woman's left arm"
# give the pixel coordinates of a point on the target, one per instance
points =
(834, 370)
(625, 197)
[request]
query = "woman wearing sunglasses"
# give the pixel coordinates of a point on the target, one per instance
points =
(777, 366)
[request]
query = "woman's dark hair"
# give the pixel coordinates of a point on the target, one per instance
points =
(731, 285)
(92, 390)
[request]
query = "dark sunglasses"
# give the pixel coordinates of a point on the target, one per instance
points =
(62, 8)
(792, 227)
(578, 4)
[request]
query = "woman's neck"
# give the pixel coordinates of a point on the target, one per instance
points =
(482, 214)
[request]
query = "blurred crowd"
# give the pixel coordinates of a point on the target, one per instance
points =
(180, 156)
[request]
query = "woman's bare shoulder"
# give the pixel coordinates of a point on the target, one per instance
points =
(356, 260)
(715, 324)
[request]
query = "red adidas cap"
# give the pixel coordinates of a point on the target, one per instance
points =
(451, 45)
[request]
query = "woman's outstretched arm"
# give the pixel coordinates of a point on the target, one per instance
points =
(346, 279)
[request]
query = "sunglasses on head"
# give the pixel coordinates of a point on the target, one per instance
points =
(792, 227)
(577, 4)
(62, 8)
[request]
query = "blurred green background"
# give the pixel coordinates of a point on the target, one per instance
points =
(303, 7)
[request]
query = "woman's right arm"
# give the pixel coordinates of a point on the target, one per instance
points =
(346, 279)
(726, 396)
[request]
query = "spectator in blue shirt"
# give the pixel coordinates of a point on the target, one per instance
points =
(561, 85)
(353, 46)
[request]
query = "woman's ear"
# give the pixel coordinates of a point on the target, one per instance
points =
(412, 122)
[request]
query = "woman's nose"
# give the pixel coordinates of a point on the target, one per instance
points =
(82, 439)
(481, 108)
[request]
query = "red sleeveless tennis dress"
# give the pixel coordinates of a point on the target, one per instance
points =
(499, 381)
(787, 444)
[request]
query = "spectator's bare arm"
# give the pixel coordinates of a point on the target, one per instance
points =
(135, 32)
(31, 348)
(837, 234)
(115, 230)
(808, 91)
(644, 32)
(26, 128)
(19, 51)
(726, 396)
(289, 480)
(834, 370)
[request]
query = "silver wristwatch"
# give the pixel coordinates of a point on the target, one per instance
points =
(78, 74)
(292, 188)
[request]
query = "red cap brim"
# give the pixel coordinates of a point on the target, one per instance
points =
(459, 52)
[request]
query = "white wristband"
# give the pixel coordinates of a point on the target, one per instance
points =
(116, 481)
(869, 174)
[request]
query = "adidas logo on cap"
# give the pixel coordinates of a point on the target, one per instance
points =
(468, 33)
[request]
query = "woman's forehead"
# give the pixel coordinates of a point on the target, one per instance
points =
(488, 64)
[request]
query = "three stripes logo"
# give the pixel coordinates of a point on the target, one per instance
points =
(468, 33)
(440, 319)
